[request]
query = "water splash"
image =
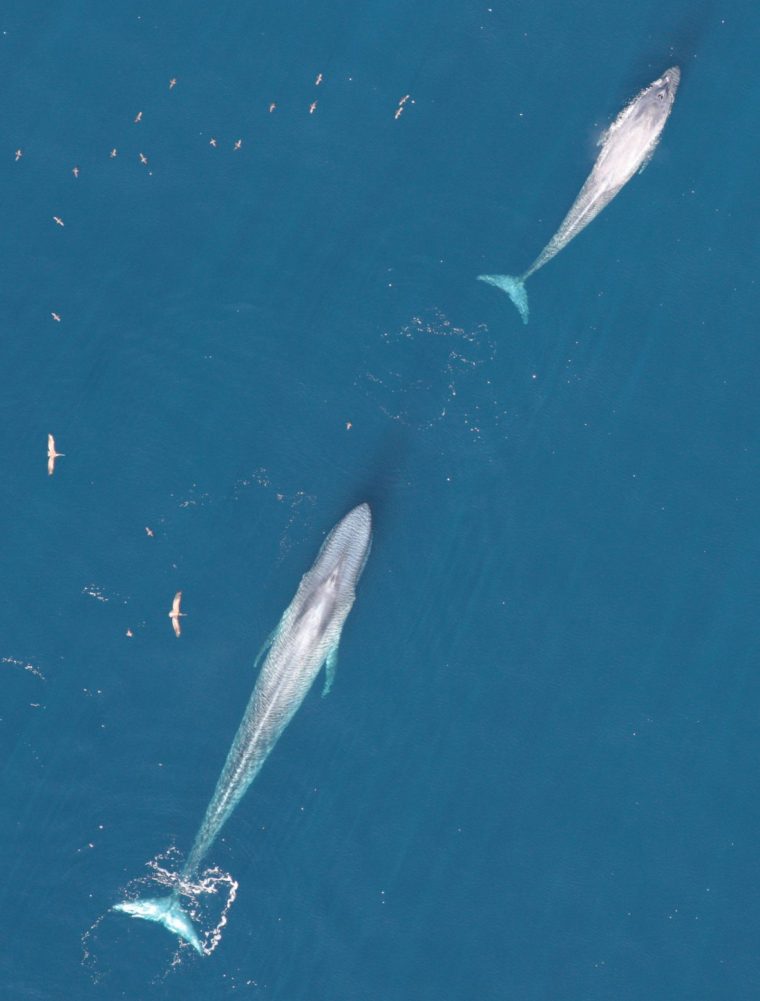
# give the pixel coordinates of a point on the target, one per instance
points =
(207, 899)
(199, 897)
(299, 504)
(100, 594)
(432, 372)
(27, 666)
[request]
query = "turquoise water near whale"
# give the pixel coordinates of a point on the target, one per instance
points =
(535, 776)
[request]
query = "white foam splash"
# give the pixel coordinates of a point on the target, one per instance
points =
(27, 666)
(433, 371)
(200, 895)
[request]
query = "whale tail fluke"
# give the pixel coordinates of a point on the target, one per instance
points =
(168, 912)
(515, 289)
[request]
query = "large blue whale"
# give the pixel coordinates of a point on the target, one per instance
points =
(307, 637)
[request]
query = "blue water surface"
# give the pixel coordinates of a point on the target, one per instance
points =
(535, 777)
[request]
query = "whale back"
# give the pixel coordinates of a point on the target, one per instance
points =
(626, 147)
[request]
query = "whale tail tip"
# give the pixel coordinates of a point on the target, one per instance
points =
(166, 911)
(515, 289)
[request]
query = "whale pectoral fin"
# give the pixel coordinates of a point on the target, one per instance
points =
(645, 162)
(331, 666)
(267, 643)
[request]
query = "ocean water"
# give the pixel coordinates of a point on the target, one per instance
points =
(535, 777)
